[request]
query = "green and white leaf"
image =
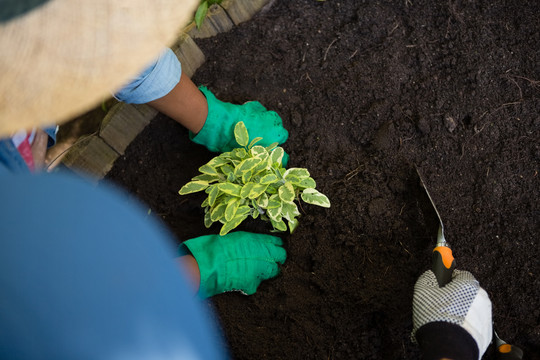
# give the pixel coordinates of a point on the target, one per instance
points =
(247, 176)
(230, 188)
(212, 195)
(254, 141)
(230, 210)
(258, 150)
(293, 224)
(274, 202)
(286, 192)
(272, 146)
(307, 183)
(257, 190)
(300, 173)
(262, 201)
(314, 197)
(246, 189)
(277, 155)
(239, 154)
(289, 210)
(193, 186)
(207, 220)
(230, 225)
(217, 162)
(218, 212)
(274, 213)
(269, 179)
(207, 169)
(278, 225)
(243, 210)
(208, 178)
(241, 134)
(227, 169)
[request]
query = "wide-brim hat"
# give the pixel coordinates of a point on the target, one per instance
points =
(59, 58)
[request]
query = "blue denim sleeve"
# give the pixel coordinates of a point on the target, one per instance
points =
(86, 273)
(11, 160)
(154, 82)
(51, 131)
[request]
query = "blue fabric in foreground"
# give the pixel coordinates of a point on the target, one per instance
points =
(86, 273)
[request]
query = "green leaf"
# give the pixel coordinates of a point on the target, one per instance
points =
(274, 202)
(258, 150)
(193, 186)
(272, 146)
(269, 179)
(217, 162)
(293, 224)
(230, 189)
(277, 155)
(246, 189)
(248, 164)
(212, 195)
(307, 183)
(289, 211)
(241, 134)
(292, 179)
(207, 169)
(279, 225)
(257, 190)
(254, 141)
(247, 176)
(218, 212)
(229, 225)
(262, 201)
(274, 214)
(205, 203)
(286, 192)
(300, 173)
(200, 14)
(208, 178)
(243, 210)
(231, 209)
(227, 169)
(240, 153)
(207, 220)
(314, 197)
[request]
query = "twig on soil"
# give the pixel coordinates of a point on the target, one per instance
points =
(307, 77)
(328, 48)
(354, 53)
(408, 2)
(404, 248)
(508, 77)
(353, 173)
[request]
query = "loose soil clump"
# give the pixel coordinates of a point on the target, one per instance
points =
(369, 91)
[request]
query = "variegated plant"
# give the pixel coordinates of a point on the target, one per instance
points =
(251, 181)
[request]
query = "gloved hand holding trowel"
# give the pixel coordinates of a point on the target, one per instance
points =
(452, 316)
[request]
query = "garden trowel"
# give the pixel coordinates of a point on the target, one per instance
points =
(443, 263)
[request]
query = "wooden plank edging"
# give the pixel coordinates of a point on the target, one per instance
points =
(95, 155)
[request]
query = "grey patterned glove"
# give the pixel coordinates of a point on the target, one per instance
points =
(462, 302)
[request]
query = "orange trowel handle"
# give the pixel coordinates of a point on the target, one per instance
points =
(443, 264)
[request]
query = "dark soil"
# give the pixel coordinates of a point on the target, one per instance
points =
(369, 90)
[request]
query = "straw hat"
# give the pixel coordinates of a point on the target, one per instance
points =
(64, 57)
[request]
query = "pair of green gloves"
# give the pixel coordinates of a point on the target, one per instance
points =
(240, 260)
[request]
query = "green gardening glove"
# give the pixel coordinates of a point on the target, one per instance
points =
(217, 133)
(237, 261)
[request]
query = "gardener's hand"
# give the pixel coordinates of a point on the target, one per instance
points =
(217, 133)
(452, 316)
(237, 261)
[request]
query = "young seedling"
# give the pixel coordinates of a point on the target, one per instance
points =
(251, 181)
(202, 10)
